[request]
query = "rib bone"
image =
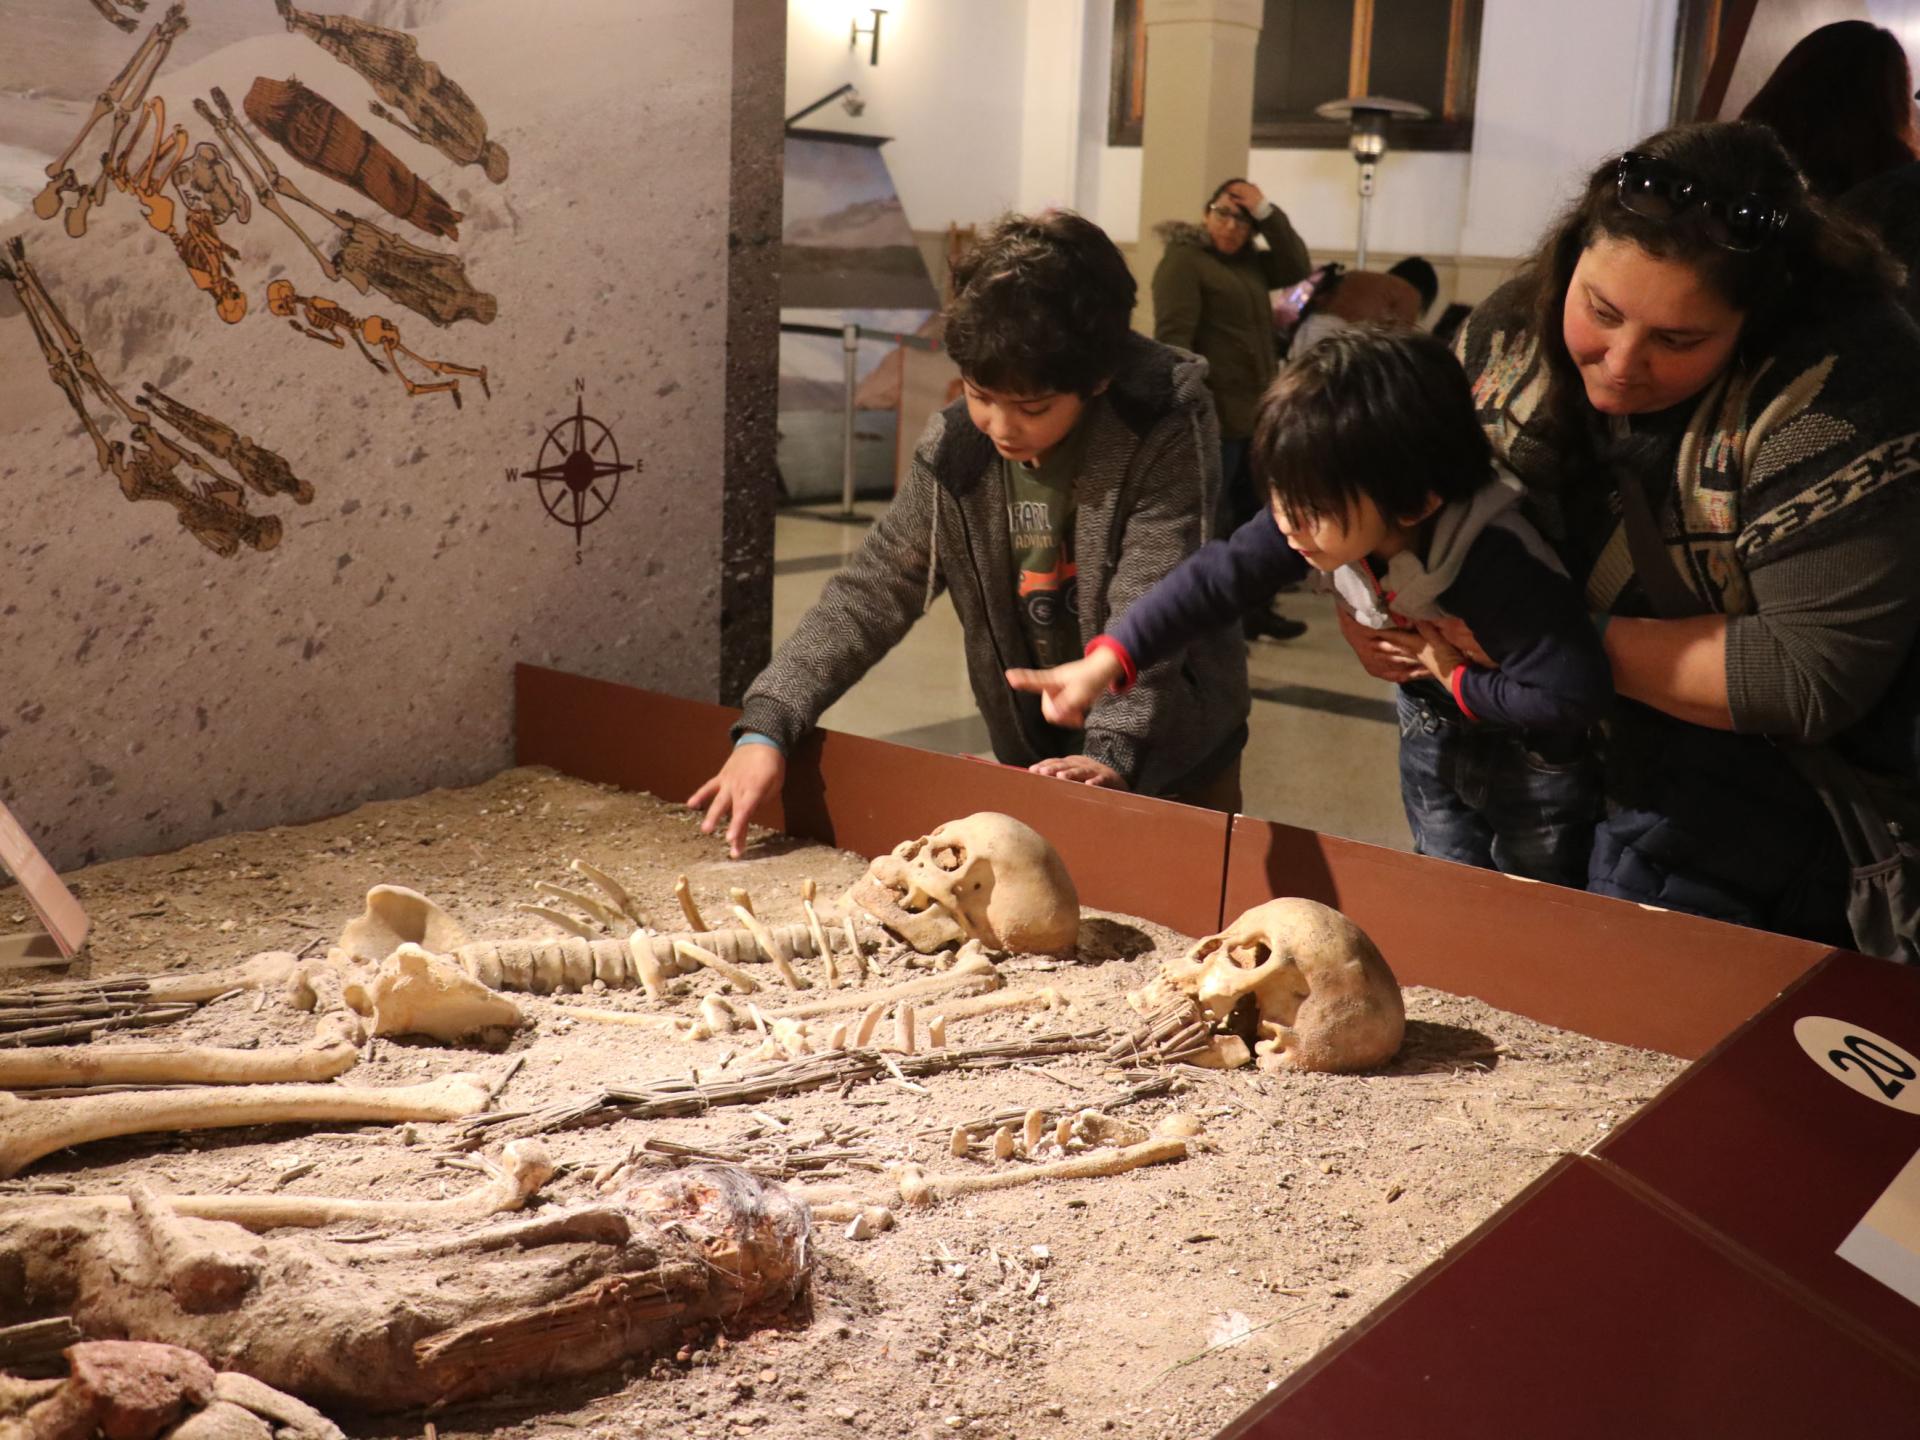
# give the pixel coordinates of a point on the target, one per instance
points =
(30, 1129)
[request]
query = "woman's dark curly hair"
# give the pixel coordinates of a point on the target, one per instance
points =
(1816, 260)
(1372, 411)
(1842, 103)
(1041, 306)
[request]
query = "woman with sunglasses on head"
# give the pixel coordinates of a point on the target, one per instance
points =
(1212, 295)
(1714, 405)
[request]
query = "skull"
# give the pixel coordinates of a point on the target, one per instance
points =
(987, 878)
(1326, 1000)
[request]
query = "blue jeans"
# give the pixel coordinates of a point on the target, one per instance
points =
(1498, 798)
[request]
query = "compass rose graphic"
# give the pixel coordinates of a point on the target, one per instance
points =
(578, 471)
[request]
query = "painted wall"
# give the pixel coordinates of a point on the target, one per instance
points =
(158, 691)
(950, 89)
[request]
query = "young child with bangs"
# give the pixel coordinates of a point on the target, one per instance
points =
(1381, 479)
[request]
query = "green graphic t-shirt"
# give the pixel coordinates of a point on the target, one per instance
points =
(1040, 513)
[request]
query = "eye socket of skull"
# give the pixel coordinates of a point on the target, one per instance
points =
(949, 856)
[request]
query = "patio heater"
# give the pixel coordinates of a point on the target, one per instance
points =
(1367, 117)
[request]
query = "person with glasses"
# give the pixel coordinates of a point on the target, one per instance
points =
(1212, 294)
(1705, 385)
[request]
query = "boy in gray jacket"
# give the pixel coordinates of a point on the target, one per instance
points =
(1081, 465)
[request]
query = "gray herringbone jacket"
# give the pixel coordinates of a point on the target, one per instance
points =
(1145, 497)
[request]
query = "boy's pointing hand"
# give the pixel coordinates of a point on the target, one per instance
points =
(1067, 692)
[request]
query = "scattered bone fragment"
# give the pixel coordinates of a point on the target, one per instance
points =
(1326, 999)
(919, 1188)
(1005, 1147)
(414, 992)
(683, 892)
(903, 1030)
(1033, 1130)
(299, 992)
(1063, 1133)
(30, 1129)
(838, 1039)
(869, 1221)
(961, 1145)
(718, 1015)
(987, 877)
(869, 1022)
(937, 1031)
(1223, 1052)
(524, 1166)
(740, 899)
(1092, 1127)
(292, 1419)
(406, 1327)
(394, 916)
(172, 1065)
(1180, 1126)
(612, 889)
(727, 971)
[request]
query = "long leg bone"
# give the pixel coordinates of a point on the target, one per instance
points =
(919, 1188)
(524, 1167)
(30, 1129)
(172, 1065)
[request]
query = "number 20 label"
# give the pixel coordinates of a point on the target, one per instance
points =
(1862, 1060)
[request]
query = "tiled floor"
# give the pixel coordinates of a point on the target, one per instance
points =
(1323, 739)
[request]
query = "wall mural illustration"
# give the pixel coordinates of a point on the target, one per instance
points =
(310, 129)
(285, 285)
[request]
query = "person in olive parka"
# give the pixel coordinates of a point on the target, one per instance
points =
(1212, 294)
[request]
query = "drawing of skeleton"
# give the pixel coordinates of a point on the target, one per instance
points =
(200, 248)
(211, 509)
(442, 114)
(428, 282)
(125, 94)
(258, 466)
(114, 17)
(321, 319)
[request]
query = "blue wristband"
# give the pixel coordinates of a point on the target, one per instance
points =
(754, 737)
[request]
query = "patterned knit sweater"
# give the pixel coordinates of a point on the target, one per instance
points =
(1788, 494)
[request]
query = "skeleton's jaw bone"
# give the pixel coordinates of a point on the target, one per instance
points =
(523, 1168)
(30, 1129)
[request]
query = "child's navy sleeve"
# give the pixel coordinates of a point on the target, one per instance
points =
(1529, 618)
(1214, 586)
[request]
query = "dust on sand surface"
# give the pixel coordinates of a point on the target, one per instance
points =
(1160, 1302)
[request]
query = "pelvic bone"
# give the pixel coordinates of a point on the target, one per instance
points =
(987, 878)
(415, 993)
(30, 1129)
(1326, 999)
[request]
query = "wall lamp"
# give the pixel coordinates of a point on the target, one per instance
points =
(873, 57)
(1367, 117)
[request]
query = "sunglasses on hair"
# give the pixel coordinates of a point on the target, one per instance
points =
(1655, 190)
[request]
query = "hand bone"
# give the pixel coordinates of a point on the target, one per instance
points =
(30, 1129)
(919, 1188)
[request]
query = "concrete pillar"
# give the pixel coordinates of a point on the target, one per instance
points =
(1198, 123)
